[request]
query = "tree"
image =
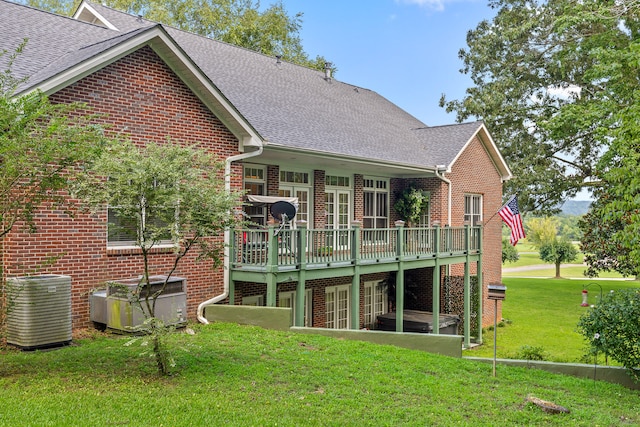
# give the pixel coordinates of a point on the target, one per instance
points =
(163, 192)
(550, 78)
(509, 252)
(612, 327)
(558, 251)
(541, 231)
(240, 22)
(601, 251)
(411, 204)
(41, 145)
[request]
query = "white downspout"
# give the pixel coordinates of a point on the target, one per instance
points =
(442, 170)
(227, 236)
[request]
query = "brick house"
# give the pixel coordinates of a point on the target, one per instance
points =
(342, 153)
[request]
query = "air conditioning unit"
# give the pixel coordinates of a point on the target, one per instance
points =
(39, 311)
(116, 309)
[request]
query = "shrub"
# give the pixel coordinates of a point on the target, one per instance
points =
(531, 352)
(613, 328)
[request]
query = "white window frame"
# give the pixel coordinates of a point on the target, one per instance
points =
(255, 214)
(130, 243)
(255, 300)
(376, 302)
(288, 299)
(375, 190)
(473, 207)
(337, 307)
(293, 182)
(425, 218)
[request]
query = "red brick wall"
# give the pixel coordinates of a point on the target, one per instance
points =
(475, 173)
(319, 214)
(138, 96)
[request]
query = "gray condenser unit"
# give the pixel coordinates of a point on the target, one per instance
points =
(39, 311)
(116, 309)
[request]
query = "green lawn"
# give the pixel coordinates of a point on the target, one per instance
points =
(230, 375)
(544, 313)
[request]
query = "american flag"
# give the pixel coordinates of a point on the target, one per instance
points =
(510, 214)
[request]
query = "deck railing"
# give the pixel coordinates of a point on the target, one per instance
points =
(289, 248)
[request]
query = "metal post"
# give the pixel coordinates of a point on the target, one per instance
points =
(495, 334)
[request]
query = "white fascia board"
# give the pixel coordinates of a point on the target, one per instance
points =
(84, 7)
(179, 62)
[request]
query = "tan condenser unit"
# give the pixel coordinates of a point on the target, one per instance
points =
(116, 309)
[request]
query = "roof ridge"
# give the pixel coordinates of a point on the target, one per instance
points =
(212, 40)
(450, 125)
(119, 35)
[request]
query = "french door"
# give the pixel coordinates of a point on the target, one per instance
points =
(338, 214)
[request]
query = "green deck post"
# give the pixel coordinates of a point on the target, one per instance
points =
(355, 280)
(302, 262)
(435, 307)
(480, 286)
(272, 266)
(232, 283)
(400, 277)
(467, 286)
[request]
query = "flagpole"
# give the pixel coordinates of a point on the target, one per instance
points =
(496, 212)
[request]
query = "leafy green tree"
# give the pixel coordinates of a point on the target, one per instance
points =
(602, 251)
(411, 204)
(271, 31)
(163, 191)
(612, 327)
(550, 79)
(568, 227)
(541, 230)
(509, 252)
(41, 145)
(558, 251)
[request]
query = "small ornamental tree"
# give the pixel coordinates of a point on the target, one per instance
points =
(558, 251)
(163, 193)
(612, 327)
(411, 204)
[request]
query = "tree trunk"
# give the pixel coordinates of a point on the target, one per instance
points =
(557, 269)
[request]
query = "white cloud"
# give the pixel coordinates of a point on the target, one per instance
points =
(430, 4)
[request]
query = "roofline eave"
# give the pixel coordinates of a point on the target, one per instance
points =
(180, 63)
(401, 168)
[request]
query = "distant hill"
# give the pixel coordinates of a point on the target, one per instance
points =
(576, 207)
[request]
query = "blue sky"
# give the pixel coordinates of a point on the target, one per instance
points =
(405, 50)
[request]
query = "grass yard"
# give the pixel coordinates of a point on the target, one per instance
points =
(230, 375)
(543, 313)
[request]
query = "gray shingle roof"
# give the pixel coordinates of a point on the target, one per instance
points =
(288, 105)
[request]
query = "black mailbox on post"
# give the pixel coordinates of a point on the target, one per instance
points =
(497, 292)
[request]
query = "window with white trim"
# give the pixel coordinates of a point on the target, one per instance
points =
(375, 203)
(337, 303)
(425, 217)
(124, 231)
(473, 208)
(297, 184)
(288, 299)
(255, 300)
(375, 302)
(255, 182)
